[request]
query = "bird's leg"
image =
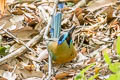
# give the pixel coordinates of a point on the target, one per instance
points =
(50, 66)
(50, 69)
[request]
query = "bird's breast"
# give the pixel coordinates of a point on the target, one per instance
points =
(63, 53)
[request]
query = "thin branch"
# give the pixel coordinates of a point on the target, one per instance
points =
(79, 4)
(21, 50)
(18, 40)
(49, 67)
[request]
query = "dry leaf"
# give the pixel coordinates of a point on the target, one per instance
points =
(75, 1)
(25, 33)
(43, 55)
(99, 4)
(96, 41)
(107, 50)
(6, 67)
(114, 24)
(83, 50)
(81, 57)
(3, 78)
(6, 20)
(32, 57)
(109, 11)
(79, 15)
(12, 22)
(14, 47)
(28, 74)
(10, 1)
(96, 70)
(61, 75)
(2, 6)
(45, 67)
(29, 67)
(32, 78)
(17, 18)
(18, 11)
(114, 45)
(91, 60)
(1, 72)
(76, 21)
(9, 75)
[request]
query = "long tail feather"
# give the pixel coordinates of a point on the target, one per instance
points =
(56, 22)
(56, 25)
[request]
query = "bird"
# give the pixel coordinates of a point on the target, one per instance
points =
(62, 50)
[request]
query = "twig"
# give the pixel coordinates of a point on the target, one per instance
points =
(21, 50)
(82, 41)
(18, 40)
(20, 2)
(49, 66)
(99, 49)
(79, 4)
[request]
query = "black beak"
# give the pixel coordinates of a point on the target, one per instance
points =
(71, 30)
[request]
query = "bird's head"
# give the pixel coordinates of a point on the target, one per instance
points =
(67, 36)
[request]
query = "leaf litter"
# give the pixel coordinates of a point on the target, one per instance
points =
(97, 29)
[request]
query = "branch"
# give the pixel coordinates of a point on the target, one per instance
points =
(79, 4)
(21, 50)
(18, 40)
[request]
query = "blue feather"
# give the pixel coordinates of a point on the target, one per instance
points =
(60, 5)
(52, 32)
(62, 38)
(67, 37)
(56, 25)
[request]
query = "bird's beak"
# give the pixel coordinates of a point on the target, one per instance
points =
(71, 30)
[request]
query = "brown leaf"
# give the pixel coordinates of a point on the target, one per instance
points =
(25, 33)
(18, 11)
(6, 67)
(29, 67)
(3, 78)
(109, 11)
(12, 22)
(114, 45)
(114, 24)
(96, 70)
(61, 75)
(79, 15)
(53, 78)
(97, 4)
(75, 1)
(91, 60)
(28, 74)
(45, 67)
(2, 6)
(83, 50)
(6, 20)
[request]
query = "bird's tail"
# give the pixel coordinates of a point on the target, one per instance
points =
(56, 22)
(56, 25)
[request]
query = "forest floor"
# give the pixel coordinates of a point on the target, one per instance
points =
(23, 46)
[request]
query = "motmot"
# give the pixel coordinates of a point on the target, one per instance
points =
(62, 50)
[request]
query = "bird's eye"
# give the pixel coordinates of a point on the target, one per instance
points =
(61, 38)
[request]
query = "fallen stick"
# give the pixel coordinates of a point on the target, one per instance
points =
(21, 50)
(18, 40)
